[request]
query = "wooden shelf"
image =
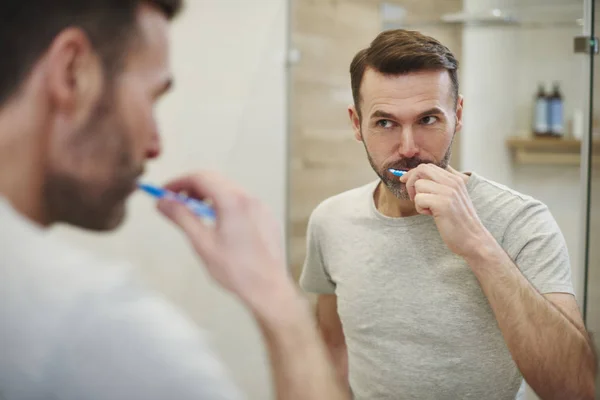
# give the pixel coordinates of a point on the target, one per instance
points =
(551, 151)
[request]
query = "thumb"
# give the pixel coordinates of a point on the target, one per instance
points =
(453, 171)
(201, 236)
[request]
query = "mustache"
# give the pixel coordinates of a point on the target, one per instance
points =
(408, 163)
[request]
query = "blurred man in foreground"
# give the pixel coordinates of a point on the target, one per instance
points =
(78, 81)
(439, 284)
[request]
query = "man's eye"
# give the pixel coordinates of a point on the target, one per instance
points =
(429, 120)
(385, 123)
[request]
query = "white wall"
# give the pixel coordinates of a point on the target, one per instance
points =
(227, 112)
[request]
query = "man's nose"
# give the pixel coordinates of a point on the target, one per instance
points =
(154, 149)
(407, 148)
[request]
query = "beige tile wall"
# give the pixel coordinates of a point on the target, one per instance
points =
(325, 158)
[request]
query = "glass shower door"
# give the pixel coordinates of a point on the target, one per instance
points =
(591, 176)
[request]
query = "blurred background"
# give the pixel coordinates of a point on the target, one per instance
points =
(261, 92)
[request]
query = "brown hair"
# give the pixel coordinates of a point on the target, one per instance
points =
(28, 27)
(398, 52)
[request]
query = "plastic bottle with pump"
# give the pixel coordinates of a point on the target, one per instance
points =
(555, 112)
(540, 112)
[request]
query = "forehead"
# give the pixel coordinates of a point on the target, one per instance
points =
(413, 90)
(152, 49)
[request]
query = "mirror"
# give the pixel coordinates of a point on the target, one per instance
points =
(525, 108)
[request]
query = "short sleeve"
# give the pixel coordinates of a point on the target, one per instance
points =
(537, 246)
(133, 344)
(315, 278)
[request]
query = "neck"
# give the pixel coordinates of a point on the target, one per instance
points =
(390, 205)
(21, 163)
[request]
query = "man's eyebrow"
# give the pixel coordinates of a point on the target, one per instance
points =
(382, 114)
(431, 111)
(387, 115)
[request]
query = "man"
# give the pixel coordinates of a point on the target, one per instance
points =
(438, 284)
(78, 80)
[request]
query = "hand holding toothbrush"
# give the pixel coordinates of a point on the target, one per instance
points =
(443, 194)
(243, 250)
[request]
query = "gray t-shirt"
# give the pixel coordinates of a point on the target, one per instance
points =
(73, 328)
(416, 322)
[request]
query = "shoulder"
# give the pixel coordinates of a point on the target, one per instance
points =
(79, 321)
(486, 190)
(506, 211)
(497, 201)
(137, 344)
(44, 281)
(36, 259)
(348, 204)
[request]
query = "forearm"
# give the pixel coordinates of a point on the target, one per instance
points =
(554, 356)
(332, 332)
(300, 363)
(339, 355)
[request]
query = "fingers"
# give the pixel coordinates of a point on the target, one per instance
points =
(455, 172)
(201, 236)
(427, 186)
(207, 186)
(428, 196)
(410, 182)
(410, 179)
(433, 204)
(424, 203)
(430, 172)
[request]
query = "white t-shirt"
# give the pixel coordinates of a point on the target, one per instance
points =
(416, 322)
(72, 328)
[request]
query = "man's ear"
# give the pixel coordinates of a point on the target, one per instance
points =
(355, 121)
(459, 113)
(74, 74)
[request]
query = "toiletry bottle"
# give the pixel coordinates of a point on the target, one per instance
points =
(556, 116)
(540, 113)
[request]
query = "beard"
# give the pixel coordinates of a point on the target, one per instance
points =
(90, 190)
(393, 183)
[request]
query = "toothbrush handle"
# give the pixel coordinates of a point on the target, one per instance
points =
(199, 208)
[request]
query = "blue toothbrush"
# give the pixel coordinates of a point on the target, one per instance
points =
(198, 207)
(396, 172)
